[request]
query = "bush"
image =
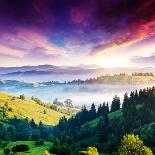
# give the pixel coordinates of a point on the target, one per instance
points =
(60, 150)
(6, 150)
(83, 145)
(20, 148)
(4, 144)
(22, 97)
(83, 153)
(39, 142)
(10, 109)
(90, 151)
(35, 135)
(46, 153)
(132, 145)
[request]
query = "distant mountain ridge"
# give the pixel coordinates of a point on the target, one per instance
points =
(43, 73)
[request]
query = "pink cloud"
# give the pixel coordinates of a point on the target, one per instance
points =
(25, 43)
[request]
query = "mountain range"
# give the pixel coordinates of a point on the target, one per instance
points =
(43, 73)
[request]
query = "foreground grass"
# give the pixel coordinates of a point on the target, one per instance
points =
(34, 150)
(30, 109)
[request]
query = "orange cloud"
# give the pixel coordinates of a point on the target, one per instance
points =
(126, 39)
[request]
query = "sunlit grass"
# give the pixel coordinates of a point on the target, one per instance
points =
(28, 108)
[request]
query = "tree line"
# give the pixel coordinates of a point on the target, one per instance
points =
(23, 129)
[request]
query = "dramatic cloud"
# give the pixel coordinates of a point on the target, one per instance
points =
(61, 29)
(24, 43)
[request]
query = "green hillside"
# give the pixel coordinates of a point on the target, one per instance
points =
(30, 109)
(95, 122)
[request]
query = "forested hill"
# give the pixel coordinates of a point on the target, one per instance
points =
(143, 78)
(103, 127)
(139, 78)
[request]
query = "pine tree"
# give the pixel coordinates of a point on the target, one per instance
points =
(125, 104)
(103, 128)
(33, 124)
(92, 112)
(115, 104)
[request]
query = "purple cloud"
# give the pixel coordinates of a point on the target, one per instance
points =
(143, 60)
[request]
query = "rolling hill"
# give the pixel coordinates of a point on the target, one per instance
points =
(30, 109)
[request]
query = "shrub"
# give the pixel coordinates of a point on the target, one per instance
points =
(83, 145)
(132, 145)
(22, 97)
(83, 153)
(90, 151)
(4, 144)
(6, 150)
(10, 109)
(46, 153)
(13, 98)
(39, 142)
(35, 135)
(60, 150)
(20, 148)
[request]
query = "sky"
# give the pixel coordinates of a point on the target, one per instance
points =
(108, 33)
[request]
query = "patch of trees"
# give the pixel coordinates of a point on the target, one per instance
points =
(57, 102)
(74, 123)
(55, 106)
(67, 103)
(60, 149)
(142, 74)
(101, 79)
(23, 129)
(38, 101)
(22, 97)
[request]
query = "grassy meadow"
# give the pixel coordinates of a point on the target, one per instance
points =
(30, 109)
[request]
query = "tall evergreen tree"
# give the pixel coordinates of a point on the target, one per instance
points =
(33, 124)
(103, 128)
(115, 104)
(92, 112)
(107, 107)
(125, 104)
